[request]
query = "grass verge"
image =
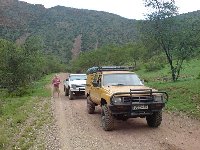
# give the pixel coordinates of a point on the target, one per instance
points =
(23, 119)
(184, 95)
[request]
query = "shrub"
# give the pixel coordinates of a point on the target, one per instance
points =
(153, 66)
(198, 77)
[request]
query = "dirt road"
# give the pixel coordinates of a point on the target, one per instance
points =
(78, 130)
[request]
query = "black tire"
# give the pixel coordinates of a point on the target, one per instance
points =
(66, 91)
(107, 119)
(155, 119)
(90, 106)
(71, 96)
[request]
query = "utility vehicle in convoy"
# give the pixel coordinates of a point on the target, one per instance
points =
(74, 85)
(122, 95)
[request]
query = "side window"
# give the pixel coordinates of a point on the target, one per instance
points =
(97, 79)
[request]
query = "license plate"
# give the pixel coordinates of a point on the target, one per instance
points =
(138, 107)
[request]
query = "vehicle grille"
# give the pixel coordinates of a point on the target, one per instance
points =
(80, 85)
(137, 99)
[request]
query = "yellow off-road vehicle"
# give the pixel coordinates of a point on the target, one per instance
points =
(122, 95)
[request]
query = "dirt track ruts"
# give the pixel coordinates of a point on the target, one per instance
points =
(78, 130)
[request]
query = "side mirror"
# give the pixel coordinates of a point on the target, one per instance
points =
(142, 81)
(95, 84)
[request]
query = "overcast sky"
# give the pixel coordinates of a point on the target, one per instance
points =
(132, 9)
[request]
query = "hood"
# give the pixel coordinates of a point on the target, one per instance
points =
(78, 82)
(115, 89)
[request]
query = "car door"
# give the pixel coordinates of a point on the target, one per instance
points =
(95, 90)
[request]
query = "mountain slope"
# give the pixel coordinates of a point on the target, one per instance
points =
(58, 27)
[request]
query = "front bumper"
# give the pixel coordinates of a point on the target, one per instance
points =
(130, 111)
(140, 103)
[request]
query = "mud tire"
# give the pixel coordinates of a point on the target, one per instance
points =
(66, 91)
(107, 119)
(71, 96)
(90, 106)
(155, 119)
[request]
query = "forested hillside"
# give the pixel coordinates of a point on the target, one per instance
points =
(60, 27)
(99, 38)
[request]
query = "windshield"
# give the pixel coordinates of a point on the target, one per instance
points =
(126, 79)
(78, 77)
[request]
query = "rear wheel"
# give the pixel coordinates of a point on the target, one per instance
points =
(71, 96)
(107, 119)
(155, 119)
(90, 106)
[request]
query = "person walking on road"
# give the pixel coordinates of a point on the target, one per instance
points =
(56, 83)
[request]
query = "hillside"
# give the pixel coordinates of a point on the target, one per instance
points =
(59, 27)
(65, 31)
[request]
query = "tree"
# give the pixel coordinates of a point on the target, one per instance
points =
(21, 65)
(168, 33)
(12, 67)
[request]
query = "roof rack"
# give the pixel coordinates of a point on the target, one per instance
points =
(108, 68)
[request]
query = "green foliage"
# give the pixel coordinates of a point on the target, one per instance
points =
(153, 66)
(12, 65)
(59, 26)
(177, 38)
(109, 55)
(198, 77)
(155, 63)
(20, 66)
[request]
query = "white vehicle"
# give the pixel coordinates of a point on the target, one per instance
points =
(74, 85)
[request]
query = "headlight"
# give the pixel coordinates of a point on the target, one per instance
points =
(158, 98)
(73, 86)
(117, 100)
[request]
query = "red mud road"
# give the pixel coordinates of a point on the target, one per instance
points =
(78, 130)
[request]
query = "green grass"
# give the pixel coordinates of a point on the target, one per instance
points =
(184, 95)
(21, 118)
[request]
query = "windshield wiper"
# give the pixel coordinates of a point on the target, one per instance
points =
(117, 84)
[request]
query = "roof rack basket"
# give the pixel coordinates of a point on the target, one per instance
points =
(109, 68)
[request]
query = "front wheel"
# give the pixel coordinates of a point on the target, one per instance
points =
(155, 119)
(71, 96)
(66, 91)
(107, 119)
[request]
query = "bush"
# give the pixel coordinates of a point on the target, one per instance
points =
(198, 77)
(21, 65)
(157, 62)
(153, 66)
